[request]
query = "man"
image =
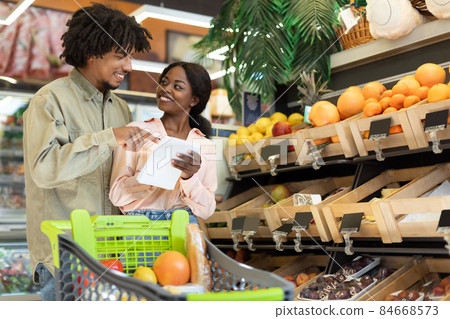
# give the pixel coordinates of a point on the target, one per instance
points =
(72, 126)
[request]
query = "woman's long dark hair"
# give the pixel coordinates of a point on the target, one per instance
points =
(200, 82)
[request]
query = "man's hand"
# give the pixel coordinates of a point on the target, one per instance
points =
(132, 138)
(189, 164)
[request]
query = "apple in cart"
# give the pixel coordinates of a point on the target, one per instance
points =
(282, 128)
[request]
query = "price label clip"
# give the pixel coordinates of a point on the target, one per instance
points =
(279, 235)
(351, 223)
(250, 228)
(275, 152)
(315, 152)
(444, 227)
(378, 131)
(301, 223)
(435, 122)
(237, 225)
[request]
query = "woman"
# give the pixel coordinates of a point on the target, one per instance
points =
(183, 91)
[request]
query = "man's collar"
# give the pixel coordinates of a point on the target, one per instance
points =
(87, 87)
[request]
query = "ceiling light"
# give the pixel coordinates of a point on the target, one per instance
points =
(16, 12)
(8, 79)
(149, 11)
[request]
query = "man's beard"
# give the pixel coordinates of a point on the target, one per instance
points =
(108, 86)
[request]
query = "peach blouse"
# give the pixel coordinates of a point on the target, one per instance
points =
(196, 192)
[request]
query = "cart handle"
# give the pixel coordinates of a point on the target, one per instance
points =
(269, 294)
(53, 228)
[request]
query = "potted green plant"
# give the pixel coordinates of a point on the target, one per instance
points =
(269, 42)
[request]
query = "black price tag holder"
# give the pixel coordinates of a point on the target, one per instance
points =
(235, 162)
(272, 153)
(279, 235)
(315, 152)
(237, 226)
(378, 131)
(444, 227)
(301, 222)
(351, 223)
(251, 225)
(435, 122)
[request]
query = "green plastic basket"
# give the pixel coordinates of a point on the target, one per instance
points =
(138, 241)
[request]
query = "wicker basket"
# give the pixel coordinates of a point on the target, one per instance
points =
(421, 6)
(357, 35)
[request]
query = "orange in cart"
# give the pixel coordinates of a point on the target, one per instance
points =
(172, 268)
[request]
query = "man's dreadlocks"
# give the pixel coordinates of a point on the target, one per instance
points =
(96, 30)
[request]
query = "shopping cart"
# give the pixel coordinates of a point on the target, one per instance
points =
(137, 241)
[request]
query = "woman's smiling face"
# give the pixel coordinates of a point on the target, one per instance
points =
(174, 92)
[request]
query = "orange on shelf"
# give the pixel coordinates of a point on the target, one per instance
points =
(335, 139)
(373, 89)
(390, 110)
(387, 93)
(395, 129)
(323, 113)
(397, 101)
(385, 102)
(400, 88)
(371, 109)
(349, 104)
(429, 74)
(422, 92)
(412, 84)
(410, 100)
(438, 92)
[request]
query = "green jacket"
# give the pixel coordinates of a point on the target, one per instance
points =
(68, 142)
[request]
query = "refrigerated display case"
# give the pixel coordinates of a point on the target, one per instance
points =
(15, 271)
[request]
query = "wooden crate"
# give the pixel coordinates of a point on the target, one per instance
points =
(346, 145)
(399, 264)
(253, 208)
(406, 201)
(285, 210)
(351, 203)
(361, 125)
(253, 160)
(417, 113)
(423, 271)
(226, 214)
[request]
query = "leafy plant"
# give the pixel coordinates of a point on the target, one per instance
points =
(270, 42)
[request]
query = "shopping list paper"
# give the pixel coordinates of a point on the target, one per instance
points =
(158, 171)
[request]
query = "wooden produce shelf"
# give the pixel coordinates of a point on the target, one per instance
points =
(423, 271)
(346, 145)
(247, 157)
(364, 145)
(254, 208)
(406, 201)
(399, 264)
(284, 211)
(352, 203)
(225, 213)
(417, 114)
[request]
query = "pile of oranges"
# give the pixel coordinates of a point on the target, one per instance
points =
(374, 99)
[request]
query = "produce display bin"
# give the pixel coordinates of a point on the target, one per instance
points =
(255, 208)
(137, 241)
(399, 264)
(423, 271)
(360, 126)
(400, 210)
(247, 157)
(344, 146)
(218, 226)
(417, 114)
(356, 201)
(284, 211)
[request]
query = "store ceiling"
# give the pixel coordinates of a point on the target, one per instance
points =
(205, 7)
